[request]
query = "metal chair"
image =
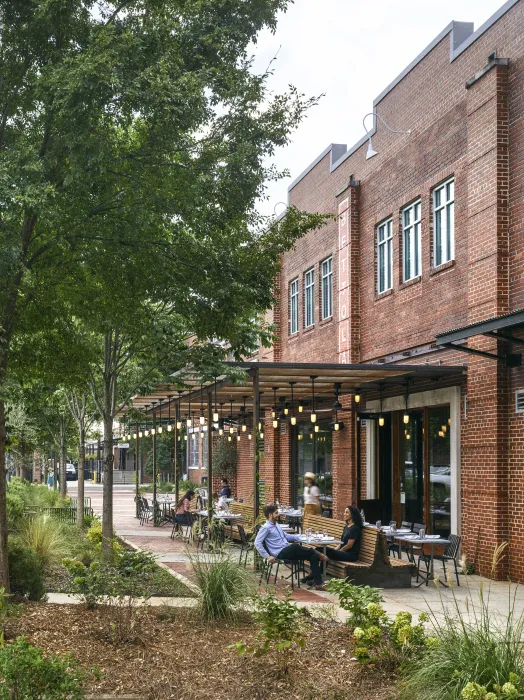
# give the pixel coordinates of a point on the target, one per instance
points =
(296, 568)
(245, 545)
(450, 554)
(146, 514)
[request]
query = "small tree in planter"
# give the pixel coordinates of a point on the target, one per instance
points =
(225, 459)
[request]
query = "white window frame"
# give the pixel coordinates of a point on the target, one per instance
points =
(411, 241)
(293, 306)
(326, 267)
(193, 446)
(385, 256)
(309, 298)
(444, 222)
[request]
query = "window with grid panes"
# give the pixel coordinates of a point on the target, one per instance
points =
(293, 307)
(192, 452)
(327, 288)
(385, 256)
(411, 243)
(444, 223)
(309, 298)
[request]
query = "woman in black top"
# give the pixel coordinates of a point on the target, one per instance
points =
(350, 547)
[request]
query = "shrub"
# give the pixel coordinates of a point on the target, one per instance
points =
(281, 629)
(222, 585)
(354, 599)
(15, 509)
(46, 537)
(473, 652)
(26, 673)
(26, 572)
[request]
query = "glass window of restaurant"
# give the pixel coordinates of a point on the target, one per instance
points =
(314, 454)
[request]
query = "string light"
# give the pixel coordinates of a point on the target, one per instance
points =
(313, 414)
(215, 412)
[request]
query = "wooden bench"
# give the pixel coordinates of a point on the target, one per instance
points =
(374, 566)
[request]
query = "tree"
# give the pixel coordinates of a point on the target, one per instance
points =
(137, 128)
(83, 412)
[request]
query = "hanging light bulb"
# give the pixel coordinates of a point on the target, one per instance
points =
(185, 437)
(160, 430)
(293, 420)
(261, 434)
(293, 417)
(313, 414)
(300, 436)
(134, 436)
(140, 434)
(215, 412)
(220, 432)
(381, 421)
(153, 431)
(357, 396)
(249, 436)
(274, 408)
(449, 421)
(229, 438)
(286, 411)
(179, 425)
(406, 418)
(317, 428)
(188, 421)
(215, 417)
(311, 436)
(408, 437)
(300, 406)
(146, 433)
(444, 428)
(202, 420)
(273, 413)
(337, 426)
(275, 423)
(238, 438)
(259, 425)
(441, 433)
(244, 427)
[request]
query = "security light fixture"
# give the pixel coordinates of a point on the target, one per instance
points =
(371, 151)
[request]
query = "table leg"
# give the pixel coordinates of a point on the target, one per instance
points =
(324, 563)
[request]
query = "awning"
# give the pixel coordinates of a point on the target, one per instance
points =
(280, 378)
(498, 327)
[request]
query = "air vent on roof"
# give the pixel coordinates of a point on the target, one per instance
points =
(519, 401)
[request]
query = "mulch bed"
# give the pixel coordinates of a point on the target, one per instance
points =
(178, 656)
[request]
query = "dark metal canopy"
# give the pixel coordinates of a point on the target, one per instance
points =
(498, 327)
(277, 378)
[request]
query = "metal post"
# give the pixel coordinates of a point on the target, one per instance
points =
(175, 449)
(155, 504)
(209, 457)
(137, 470)
(256, 419)
(177, 490)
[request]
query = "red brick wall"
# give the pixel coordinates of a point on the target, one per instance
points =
(475, 134)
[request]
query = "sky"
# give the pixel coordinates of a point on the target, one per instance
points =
(350, 50)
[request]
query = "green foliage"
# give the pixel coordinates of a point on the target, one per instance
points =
(281, 628)
(224, 459)
(15, 509)
(26, 673)
(26, 572)
(354, 599)
(7, 609)
(511, 690)
(222, 585)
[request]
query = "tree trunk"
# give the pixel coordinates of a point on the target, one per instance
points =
(81, 475)
(4, 571)
(55, 473)
(63, 458)
(107, 503)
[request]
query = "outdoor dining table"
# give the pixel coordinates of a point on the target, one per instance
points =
(430, 541)
(320, 542)
(293, 516)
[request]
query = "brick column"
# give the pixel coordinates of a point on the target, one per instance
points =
(484, 473)
(349, 275)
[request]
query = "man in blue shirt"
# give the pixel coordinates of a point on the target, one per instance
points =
(225, 491)
(272, 542)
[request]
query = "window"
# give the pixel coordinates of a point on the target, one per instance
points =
(192, 452)
(444, 223)
(327, 288)
(293, 307)
(385, 256)
(309, 298)
(411, 253)
(205, 447)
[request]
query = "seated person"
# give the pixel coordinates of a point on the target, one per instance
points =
(183, 514)
(349, 549)
(225, 491)
(272, 543)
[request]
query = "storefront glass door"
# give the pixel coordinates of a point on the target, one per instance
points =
(411, 465)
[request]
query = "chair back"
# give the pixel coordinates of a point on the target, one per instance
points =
(417, 527)
(242, 534)
(326, 514)
(406, 525)
(453, 547)
(145, 503)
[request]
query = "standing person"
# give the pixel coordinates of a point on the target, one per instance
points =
(225, 491)
(183, 514)
(50, 480)
(311, 495)
(272, 542)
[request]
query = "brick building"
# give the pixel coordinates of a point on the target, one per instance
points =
(408, 309)
(428, 237)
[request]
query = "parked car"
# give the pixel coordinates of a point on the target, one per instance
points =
(71, 472)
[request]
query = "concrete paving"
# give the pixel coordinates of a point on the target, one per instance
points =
(172, 554)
